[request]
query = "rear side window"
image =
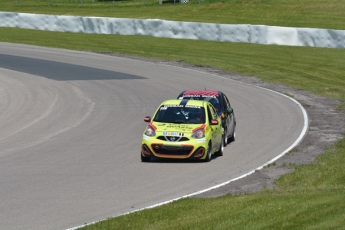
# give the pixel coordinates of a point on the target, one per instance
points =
(215, 102)
(226, 102)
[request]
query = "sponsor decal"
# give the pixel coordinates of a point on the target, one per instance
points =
(193, 106)
(179, 126)
(185, 96)
(173, 134)
(201, 140)
(165, 107)
(145, 137)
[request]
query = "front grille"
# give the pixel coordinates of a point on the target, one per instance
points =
(172, 138)
(172, 150)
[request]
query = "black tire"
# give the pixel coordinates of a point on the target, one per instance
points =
(225, 137)
(145, 159)
(209, 155)
(221, 147)
(232, 138)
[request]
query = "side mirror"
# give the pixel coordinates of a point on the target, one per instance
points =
(147, 119)
(214, 122)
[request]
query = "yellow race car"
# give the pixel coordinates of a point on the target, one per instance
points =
(183, 129)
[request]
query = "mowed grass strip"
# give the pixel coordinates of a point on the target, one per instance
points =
(310, 198)
(292, 13)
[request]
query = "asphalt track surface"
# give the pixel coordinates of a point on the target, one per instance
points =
(71, 125)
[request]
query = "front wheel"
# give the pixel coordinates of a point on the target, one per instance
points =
(209, 155)
(145, 159)
(233, 135)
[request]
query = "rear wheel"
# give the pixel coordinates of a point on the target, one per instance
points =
(225, 136)
(233, 135)
(145, 159)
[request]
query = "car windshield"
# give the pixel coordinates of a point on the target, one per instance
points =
(180, 114)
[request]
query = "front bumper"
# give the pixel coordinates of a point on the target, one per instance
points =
(195, 149)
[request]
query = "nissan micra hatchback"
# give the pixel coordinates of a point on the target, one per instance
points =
(222, 105)
(183, 129)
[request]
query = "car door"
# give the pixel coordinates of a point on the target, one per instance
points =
(230, 115)
(226, 119)
(215, 129)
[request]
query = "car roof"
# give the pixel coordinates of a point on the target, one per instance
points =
(185, 102)
(201, 92)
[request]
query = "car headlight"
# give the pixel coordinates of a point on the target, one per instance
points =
(150, 131)
(199, 133)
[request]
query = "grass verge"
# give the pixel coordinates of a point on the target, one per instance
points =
(310, 198)
(293, 13)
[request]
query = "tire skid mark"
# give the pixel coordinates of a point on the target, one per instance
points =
(47, 137)
(51, 101)
(43, 116)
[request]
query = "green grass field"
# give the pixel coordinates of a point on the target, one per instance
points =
(295, 13)
(313, 196)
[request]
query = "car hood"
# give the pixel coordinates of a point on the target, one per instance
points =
(181, 129)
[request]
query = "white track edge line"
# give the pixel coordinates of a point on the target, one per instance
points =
(299, 139)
